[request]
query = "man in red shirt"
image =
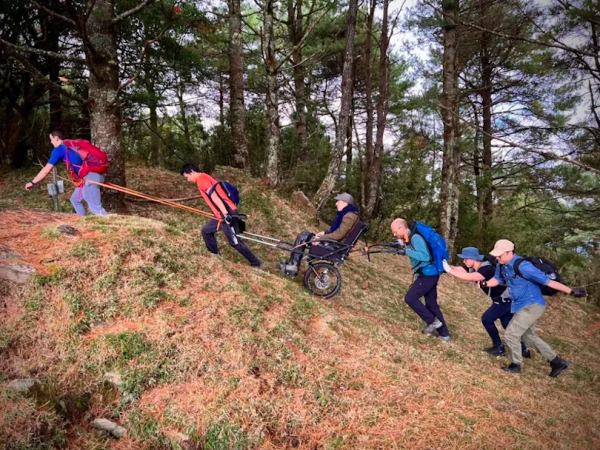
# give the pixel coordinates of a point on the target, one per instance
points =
(223, 209)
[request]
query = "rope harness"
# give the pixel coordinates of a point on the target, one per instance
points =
(124, 190)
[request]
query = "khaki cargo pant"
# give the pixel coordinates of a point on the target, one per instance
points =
(522, 326)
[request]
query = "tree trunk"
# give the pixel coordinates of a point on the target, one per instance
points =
(236, 82)
(296, 33)
(272, 101)
(333, 170)
(105, 111)
(184, 119)
(53, 32)
(450, 188)
(382, 109)
(366, 184)
(486, 99)
(156, 155)
(221, 100)
(349, 147)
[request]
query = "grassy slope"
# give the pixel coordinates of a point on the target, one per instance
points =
(238, 358)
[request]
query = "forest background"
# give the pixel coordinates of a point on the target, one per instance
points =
(478, 117)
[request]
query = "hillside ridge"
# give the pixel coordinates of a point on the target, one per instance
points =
(210, 353)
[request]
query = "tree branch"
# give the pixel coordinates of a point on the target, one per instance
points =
(37, 51)
(543, 154)
(126, 14)
(289, 55)
(43, 79)
(560, 45)
(53, 13)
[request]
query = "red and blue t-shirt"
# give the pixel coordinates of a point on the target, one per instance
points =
(71, 159)
(205, 183)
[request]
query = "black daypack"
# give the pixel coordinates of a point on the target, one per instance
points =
(492, 260)
(546, 266)
(489, 260)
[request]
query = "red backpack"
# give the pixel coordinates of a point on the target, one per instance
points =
(94, 159)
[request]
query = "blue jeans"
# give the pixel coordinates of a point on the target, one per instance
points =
(498, 310)
(91, 194)
(426, 286)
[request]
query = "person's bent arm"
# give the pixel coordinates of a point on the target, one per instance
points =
(420, 252)
(40, 176)
(462, 274)
(219, 203)
(492, 282)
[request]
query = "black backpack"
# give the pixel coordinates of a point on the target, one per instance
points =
(546, 266)
(489, 260)
(492, 260)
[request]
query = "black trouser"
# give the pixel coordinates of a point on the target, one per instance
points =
(498, 310)
(426, 286)
(316, 250)
(208, 233)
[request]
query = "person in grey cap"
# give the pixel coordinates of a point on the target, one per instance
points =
(347, 217)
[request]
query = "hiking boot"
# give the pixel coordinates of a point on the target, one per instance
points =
(512, 368)
(445, 339)
(496, 350)
(558, 365)
(432, 327)
(526, 353)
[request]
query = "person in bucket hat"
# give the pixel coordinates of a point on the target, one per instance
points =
(478, 268)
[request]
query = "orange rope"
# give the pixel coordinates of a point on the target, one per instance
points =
(128, 191)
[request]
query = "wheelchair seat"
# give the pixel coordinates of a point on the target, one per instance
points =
(338, 251)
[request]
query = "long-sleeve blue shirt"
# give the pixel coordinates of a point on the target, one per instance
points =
(420, 257)
(523, 290)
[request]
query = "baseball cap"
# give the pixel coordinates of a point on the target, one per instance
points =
(502, 246)
(345, 197)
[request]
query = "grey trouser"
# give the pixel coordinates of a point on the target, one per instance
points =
(522, 326)
(91, 194)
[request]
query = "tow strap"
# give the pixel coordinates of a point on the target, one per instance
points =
(124, 190)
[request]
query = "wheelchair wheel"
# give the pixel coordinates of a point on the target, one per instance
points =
(323, 279)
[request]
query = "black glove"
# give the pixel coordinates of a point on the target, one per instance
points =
(397, 244)
(578, 292)
(401, 252)
(228, 219)
(483, 284)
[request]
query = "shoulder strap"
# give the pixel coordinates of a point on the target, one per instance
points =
(213, 190)
(516, 266)
(414, 232)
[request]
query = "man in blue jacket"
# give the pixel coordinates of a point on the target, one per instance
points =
(426, 280)
(527, 307)
(89, 192)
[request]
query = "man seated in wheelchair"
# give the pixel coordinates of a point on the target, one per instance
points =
(346, 220)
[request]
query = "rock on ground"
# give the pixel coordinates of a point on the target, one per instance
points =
(23, 385)
(16, 272)
(113, 378)
(111, 427)
(67, 230)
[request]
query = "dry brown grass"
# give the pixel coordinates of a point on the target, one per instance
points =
(236, 358)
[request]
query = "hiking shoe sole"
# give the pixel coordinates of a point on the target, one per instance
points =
(556, 372)
(432, 327)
